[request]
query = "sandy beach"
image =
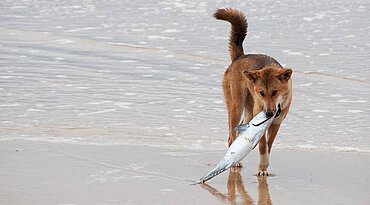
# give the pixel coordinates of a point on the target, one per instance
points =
(120, 102)
(46, 173)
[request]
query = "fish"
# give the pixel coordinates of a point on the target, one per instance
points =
(249, 136)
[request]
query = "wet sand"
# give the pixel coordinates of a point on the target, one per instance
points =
(111, 102)
(58, 173)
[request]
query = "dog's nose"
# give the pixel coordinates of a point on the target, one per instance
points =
(269, 114)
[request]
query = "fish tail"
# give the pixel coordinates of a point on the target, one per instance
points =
(221, 167)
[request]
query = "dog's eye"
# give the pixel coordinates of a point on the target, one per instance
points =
(274, 92)
(262, 93)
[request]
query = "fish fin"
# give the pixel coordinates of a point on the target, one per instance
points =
(253, 141)
(196, 182)
(241, 128)
(255, 146)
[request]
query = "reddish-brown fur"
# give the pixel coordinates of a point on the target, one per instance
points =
(253, 83)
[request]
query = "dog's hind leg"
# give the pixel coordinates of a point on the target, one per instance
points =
(235, 108)
(235, 112)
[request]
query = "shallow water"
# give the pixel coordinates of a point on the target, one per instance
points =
(149, 72)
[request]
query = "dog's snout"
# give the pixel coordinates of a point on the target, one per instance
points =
(269, 113)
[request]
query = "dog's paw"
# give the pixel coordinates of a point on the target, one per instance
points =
(262, 173)
(238, 165)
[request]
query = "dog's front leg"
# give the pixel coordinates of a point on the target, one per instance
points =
(265, 148)
(271, 135)
(264, 157)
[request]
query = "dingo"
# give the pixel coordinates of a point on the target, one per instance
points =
(253, 83)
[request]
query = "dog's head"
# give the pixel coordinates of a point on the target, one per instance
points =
(271, 86)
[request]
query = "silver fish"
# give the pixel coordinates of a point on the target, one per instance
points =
(247, 139)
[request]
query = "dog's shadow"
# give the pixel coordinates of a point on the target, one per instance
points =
(236, 192)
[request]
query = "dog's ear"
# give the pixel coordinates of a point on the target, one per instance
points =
(251, 75)
(284, 74)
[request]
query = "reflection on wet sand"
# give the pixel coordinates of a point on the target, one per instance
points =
(236, 192)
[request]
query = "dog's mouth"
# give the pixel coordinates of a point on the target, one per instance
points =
(256, 125)
(278, 111)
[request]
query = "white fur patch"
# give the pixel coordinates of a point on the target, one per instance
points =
(264, 161)
(247, 117)
(280, 99)
(241, 118)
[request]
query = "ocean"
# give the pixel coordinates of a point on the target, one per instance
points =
(150, 72)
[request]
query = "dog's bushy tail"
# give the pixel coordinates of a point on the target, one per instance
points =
(238, 29)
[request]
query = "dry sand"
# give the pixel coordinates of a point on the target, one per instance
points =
(56, 173)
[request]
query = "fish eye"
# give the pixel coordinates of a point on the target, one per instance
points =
(262, 93)
(274, 92)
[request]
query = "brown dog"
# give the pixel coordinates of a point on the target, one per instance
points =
(253, 83)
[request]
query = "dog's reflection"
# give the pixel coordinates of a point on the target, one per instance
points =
(236, 193)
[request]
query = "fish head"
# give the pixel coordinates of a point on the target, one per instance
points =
(263, 118)
(260, 119)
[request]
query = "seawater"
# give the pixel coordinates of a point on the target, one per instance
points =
(150, 72)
